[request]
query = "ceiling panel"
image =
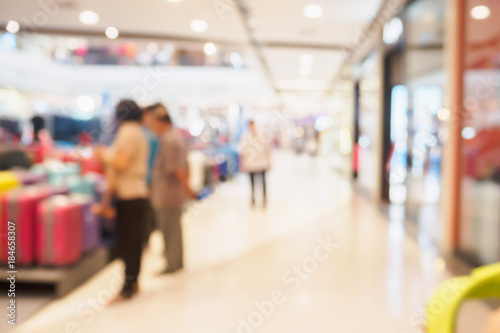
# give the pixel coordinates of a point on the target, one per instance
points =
(284, 20)
(133, 16)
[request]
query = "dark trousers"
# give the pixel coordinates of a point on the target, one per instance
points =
(131, 218)
(253, 176)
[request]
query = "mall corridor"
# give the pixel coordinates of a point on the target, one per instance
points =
(368, 276)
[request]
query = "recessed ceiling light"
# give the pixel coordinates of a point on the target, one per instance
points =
(480, 12)
(210, 49)
(313, 11)
(12, 27)
(89, 17)
(175, 1)
(199, 26)
(112, 32)
(86, 103)
(306, 60)
(443, 114)
(468, 133)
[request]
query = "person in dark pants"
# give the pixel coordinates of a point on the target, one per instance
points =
(127, 161)
(262, 176)
(170, 188)
(256, 153)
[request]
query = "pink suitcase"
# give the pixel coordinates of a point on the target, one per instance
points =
(20, 206)
(59, 232)
(90, 221)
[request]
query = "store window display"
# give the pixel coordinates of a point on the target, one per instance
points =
(480, 217)
(415, 85)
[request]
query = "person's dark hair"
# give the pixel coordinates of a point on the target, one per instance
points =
(161, 113)
(165, 118)
(128, 110)
(152, 108)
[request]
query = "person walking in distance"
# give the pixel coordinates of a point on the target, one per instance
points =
(256, 154)
(170, 187)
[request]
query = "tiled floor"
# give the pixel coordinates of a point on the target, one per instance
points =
(319, 258)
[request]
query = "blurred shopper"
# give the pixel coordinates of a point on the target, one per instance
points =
(170, 187)
(127, 159)
(256, 153)
(38, 123)
(148, 122)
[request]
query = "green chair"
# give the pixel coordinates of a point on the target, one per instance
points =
(442, 310)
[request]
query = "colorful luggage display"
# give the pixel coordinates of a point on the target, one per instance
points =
(81, 185)
(59, 229)
(8, 181)
(57, 171)
(90, 222)
(28, 178)
(20, 207)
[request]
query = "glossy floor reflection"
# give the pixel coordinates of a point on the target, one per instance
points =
(319, 258)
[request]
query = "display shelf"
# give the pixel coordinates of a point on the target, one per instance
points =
(62, 279)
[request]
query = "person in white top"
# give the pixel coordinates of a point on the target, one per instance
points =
(255, 150)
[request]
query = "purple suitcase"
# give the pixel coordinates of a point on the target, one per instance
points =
(90, 222)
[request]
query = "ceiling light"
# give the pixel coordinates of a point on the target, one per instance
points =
(89, 17)
(197, 127)
(443, 114)
(112, 32)
(468, 133)
(306, 60)
(313, 11)
(12, 27)
(175, 1)
(480, 12)
(236, 60)
(198, 26)
(210, 49)
(85, 103)
(393, 31)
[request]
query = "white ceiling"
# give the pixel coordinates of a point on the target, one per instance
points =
(275, 22)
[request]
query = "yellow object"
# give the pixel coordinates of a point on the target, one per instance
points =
(8, 181)
(442, 310)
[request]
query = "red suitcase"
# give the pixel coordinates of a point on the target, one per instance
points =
(19, 207)
(59, 232)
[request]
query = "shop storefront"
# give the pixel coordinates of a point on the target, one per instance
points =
(479, 228)
(367, 123)
(415, 82)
